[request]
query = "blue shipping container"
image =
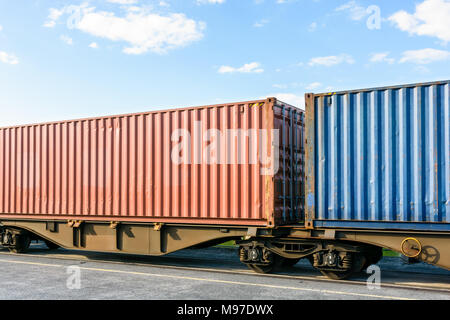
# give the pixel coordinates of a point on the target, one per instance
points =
(379, 158)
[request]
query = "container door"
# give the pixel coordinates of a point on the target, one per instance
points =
(289, 184)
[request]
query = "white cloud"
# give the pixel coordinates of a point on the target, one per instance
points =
(141, 29)
(313, 86)
(1, 28)
(312, 27)
(66, 40)
(8, 58)
(260, 23)
(425, 56)
(331, 60)
(253, 67)
(122, 1)
(210, 1)
(356, 11)
(164, 4)
(93, 45)
(49, 24)
(53, 16)
(381, 57)
(431, 18)
(290, 98)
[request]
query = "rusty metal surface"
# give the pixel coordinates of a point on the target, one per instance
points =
(310, 181)
(120, 168)
(380, 158)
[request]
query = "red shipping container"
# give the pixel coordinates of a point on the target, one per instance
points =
(229, 164)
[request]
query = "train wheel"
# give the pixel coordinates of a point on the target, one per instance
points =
(22, 244)
(337, 275)
(358, 262)
(261, 269)
(267, 268)
(51, 245)
(290, 262)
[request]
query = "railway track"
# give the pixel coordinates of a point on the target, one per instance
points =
(200, 261)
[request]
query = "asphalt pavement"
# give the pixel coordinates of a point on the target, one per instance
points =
(214, 273)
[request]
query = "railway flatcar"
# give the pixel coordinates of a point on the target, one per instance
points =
(359, 171)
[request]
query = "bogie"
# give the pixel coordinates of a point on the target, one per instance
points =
(17, 241)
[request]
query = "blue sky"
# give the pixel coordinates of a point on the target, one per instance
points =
(73, 59)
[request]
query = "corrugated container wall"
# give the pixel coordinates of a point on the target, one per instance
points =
(379, 158)
(150, 167)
